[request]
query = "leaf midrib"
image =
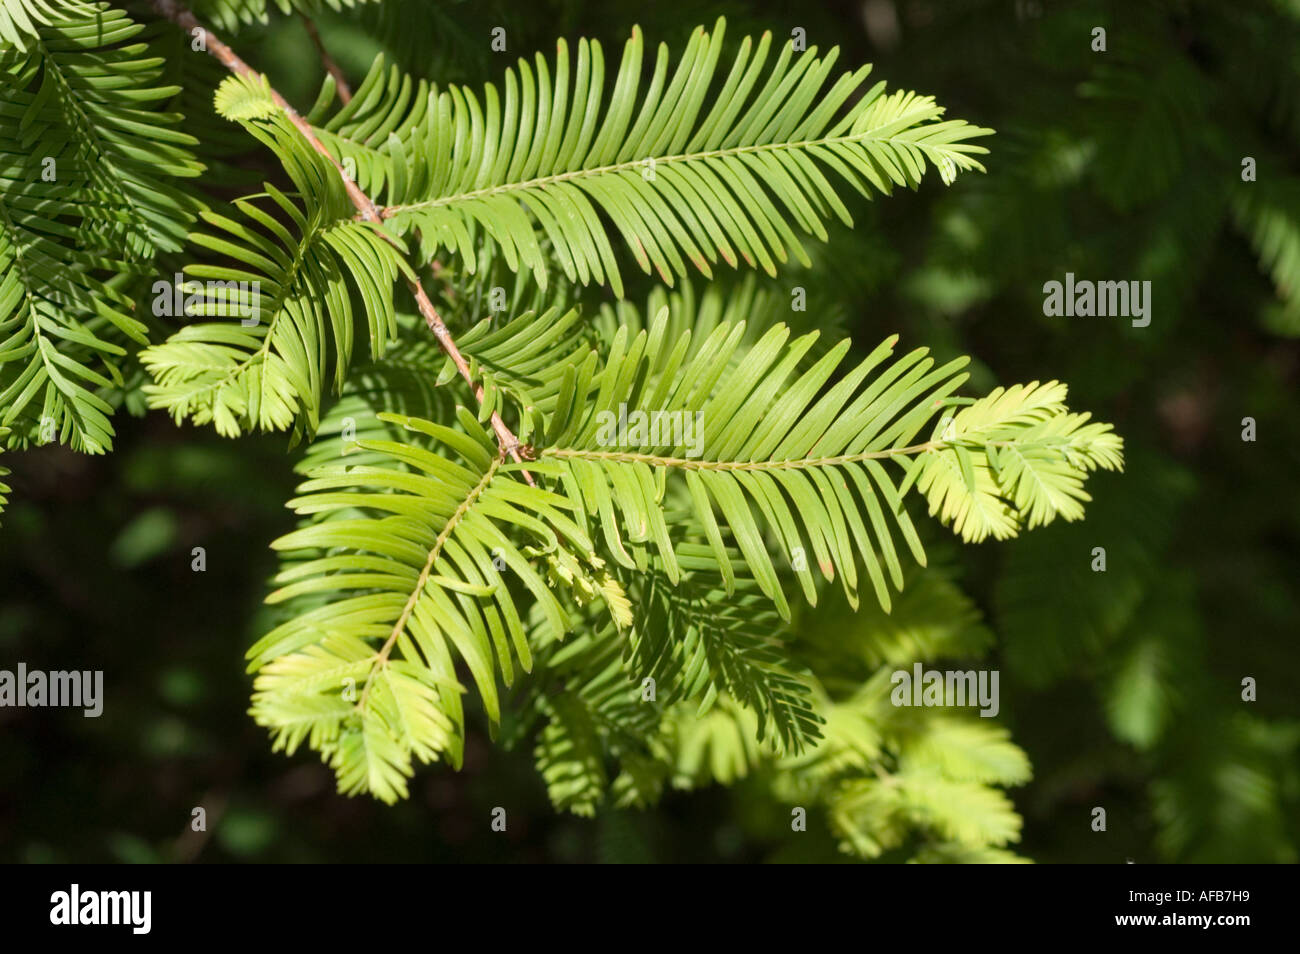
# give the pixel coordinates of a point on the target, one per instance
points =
(541, 181)
(380, 660)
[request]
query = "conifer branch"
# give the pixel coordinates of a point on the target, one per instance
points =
(399, 627)
(180, 15)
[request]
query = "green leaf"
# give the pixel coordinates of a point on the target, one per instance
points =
(404, 568)
(696, 168)
(88, 156)
(287, 298)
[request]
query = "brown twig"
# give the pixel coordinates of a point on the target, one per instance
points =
(340, 81)
(182, 17)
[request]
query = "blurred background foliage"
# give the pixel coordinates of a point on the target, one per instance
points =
(1123, 687)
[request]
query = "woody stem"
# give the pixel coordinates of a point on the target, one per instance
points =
(180, 15)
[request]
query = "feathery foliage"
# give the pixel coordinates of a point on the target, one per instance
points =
(615, 587)
(776, 467)
(88, 150)
(693, 168)
(428, 576)
(21, 20)
(294, 283)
